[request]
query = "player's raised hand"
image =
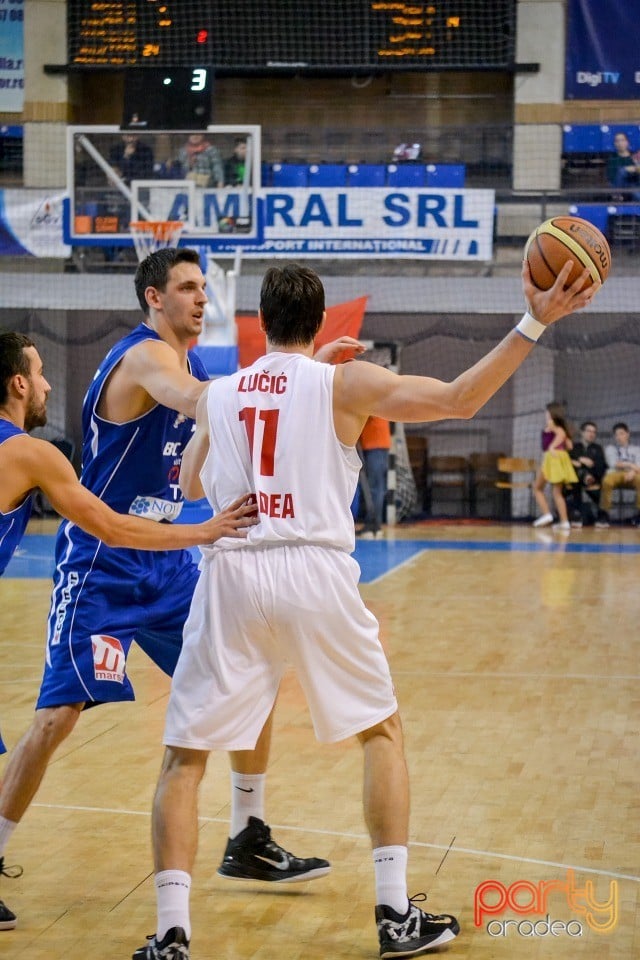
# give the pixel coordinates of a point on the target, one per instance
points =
(550, 305)
(233, 521)
(333, 352)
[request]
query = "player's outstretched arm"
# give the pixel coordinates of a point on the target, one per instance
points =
(155, 367)
(365, 389)
(42, 465)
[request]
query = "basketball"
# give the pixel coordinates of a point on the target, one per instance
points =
(567, 238)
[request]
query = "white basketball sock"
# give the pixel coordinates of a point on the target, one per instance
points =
(247, 799)
(172, 892)
(6, 829)
(390, 864)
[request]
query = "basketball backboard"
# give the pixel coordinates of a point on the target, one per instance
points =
(209, 180)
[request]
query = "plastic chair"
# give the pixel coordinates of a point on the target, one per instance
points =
(446, 174)
(367, 175)
(517, 473)
(417, 447)
(327, 175)
(582, 138)
(451, 475)
(406, 175)
(483, 475)
(289, 174)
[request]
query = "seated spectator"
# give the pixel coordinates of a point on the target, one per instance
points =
(623, 166)
(132, 159)
(589, 462)
(200, 161)
(623, 470)
(234, 166)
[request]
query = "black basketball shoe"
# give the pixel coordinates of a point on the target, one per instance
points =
(173, 946)
(415, 933)
(8, 919)
(253, 855)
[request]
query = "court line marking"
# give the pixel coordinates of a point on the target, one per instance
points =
(361, 836)
(480, 675)
(389, 570)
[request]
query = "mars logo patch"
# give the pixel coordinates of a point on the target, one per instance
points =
(109, 661)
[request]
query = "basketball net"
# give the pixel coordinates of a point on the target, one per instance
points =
(152, 235)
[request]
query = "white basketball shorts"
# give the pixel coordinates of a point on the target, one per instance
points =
(255, 612)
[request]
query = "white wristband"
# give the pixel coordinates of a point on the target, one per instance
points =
(530, 328)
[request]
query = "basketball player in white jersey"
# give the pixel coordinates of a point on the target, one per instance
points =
(286, 428)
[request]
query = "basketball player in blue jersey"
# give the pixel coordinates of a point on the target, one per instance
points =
(27, 463)
(137, 419)
(252, 429)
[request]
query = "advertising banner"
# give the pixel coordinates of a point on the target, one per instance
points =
(376, 222)
(11, 56)
(31, 224)
(603, 53)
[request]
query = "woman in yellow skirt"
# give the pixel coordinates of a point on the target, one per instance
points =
(556, 468)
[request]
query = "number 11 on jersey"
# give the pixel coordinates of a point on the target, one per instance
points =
(269, 433)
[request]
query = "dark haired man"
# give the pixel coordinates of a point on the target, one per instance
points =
(288, 427)
(587, 456)
(137, 419)
(27, 463)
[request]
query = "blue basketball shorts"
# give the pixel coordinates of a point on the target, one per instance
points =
(99, 608)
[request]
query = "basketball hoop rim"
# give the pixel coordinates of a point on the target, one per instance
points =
(161, 229)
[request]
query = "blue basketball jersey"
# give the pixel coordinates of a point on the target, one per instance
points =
(104, 597)
(13, 523)
(134, 467)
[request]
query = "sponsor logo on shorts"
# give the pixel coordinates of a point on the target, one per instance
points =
(109, 661)
(65, 600)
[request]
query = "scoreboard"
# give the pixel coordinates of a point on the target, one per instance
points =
(271, 36)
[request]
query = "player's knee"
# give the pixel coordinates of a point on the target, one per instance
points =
(186, 764)
(54, 724)
(390, 729)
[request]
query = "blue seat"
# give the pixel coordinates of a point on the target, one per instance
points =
(367, 175)
(218, 361)
(608, 132)
(406, 175)
(446, 174)
(327, 175)
(289, 174)
(595, 213)
(582, 138)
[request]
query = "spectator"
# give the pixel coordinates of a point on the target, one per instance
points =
(556, 468)
(234, 166)
(623, 166)
(588, 460)
(201, 161)
(132, 159)
(375, 442)
(623, 463)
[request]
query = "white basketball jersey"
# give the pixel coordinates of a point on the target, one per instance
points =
(272, 433)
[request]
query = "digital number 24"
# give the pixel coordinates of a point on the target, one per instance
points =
(269, 433)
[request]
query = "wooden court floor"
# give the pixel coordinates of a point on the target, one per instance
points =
(516, 666)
